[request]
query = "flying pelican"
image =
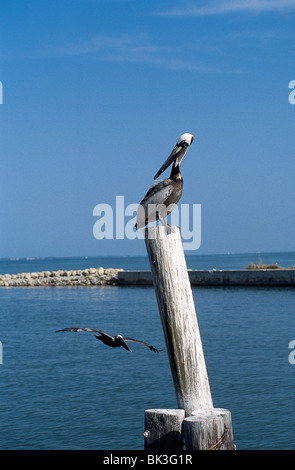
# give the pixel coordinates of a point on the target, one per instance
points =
(163, 195)
(110, 340)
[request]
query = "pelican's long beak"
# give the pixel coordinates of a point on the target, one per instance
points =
(178, 152)
(123, 343)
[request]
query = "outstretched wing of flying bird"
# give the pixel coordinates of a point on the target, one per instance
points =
(141, 342)
(86, 329)
(109, 336)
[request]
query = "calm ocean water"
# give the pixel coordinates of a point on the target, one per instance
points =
(69, 391)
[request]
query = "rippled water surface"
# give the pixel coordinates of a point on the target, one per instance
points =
(69, 391)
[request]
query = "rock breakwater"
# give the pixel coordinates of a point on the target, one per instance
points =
(85, 277)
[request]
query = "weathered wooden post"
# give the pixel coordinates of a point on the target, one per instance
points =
(164, 430)
(208, 430)
(178, 317)
(204, 426)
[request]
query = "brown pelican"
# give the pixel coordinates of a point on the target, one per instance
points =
(110, 340)
(163, 196)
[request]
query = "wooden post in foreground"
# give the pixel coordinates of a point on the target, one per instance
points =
(208, 430)
(178, 317)
(163, 430)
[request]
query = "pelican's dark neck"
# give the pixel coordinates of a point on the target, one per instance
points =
(175, 172)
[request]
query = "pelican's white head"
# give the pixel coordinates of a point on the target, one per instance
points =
(121, 340)
(177, 153)
(186, 138)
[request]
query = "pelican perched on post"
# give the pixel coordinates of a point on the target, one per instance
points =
(163, 196)
(110, 340)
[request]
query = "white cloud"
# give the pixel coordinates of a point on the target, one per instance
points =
(234, 6)
(136, 48)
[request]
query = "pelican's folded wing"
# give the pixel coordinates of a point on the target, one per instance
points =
(153, 203)
(158, 192)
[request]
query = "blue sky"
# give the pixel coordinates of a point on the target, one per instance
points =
(96, 94)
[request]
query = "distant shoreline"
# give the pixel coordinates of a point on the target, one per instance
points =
(282, 277)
